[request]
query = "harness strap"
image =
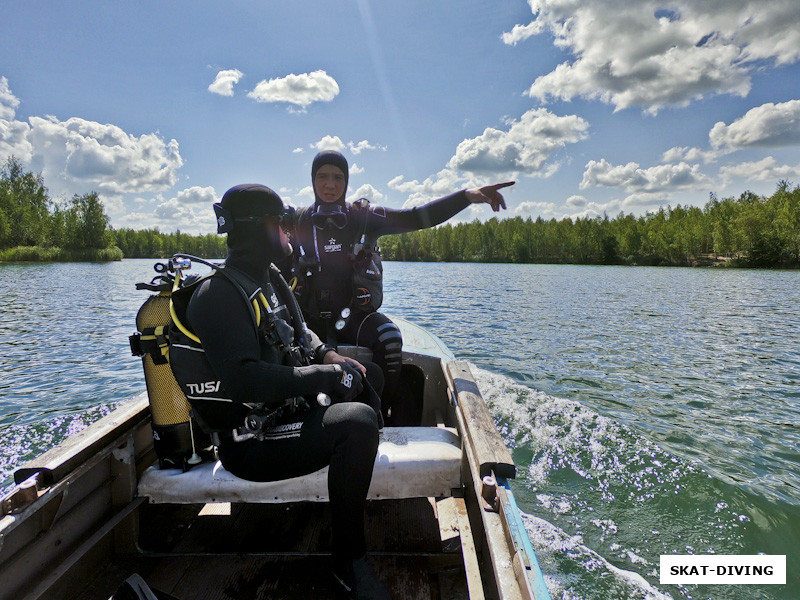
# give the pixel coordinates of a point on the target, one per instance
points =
(153, 341)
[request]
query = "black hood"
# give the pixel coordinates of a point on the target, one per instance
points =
(330, 157)
(253, 243)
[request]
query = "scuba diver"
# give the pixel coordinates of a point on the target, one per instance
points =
(338, 271)
(278, 402)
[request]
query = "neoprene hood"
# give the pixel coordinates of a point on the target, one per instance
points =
(246, 201)
(330, 157)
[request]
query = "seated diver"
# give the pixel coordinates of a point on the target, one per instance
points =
(338, 269)
(256, 386)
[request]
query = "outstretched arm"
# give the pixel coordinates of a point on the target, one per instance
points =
(388, 221)
(489, 194)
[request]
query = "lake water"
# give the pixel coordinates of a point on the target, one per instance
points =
(650, 411)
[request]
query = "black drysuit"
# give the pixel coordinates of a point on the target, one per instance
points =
(252, 370)
(324, 264)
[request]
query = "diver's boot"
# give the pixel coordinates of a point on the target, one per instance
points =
(358, 580)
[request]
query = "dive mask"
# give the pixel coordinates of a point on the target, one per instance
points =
(226, 220)
(329, 216)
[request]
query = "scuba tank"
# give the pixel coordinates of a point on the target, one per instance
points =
(176, 437)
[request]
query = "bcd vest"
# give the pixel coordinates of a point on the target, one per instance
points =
(366, 269)
(281, 336)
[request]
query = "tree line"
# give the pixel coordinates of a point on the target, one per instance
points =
(35, 227)
(749, 231)
(151, 243)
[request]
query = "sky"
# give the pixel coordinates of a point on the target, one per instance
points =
(594, 107)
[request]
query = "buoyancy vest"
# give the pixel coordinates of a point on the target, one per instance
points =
(282, 338)
(363, 283)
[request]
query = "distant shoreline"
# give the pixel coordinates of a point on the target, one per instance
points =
(36, 254)
(40, 254)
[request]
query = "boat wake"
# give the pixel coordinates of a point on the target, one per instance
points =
(574, 571)
(580, 476)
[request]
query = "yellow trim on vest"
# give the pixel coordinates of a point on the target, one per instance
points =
(174, 315)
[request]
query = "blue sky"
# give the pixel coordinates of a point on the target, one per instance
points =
(593, 106)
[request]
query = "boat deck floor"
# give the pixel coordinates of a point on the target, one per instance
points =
(269, 551)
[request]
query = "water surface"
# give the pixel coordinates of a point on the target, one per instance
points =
(650, 411)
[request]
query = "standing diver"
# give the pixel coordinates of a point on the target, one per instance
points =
(339, 273)
(252, 372)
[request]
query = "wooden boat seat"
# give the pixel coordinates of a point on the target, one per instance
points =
(412, 462)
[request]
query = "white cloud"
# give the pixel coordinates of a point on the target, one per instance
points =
(358, 148)
(635, 53)
(442, 183)
(189, 211)
(595, 209)
(334, 142)
(77, 156)
(535, 209)
(13, 134)
(368, 192)
(576, 201)
(688, 154)
(204, 196)
(306, 194)
(645, 200)
(14, 140)
(633, 179)
(768, 125)
(224, 82)
(301, 90)
(766, 169)
(8, 101)
(355, 169)
(525, 147)
(520, 33)
(330, 142)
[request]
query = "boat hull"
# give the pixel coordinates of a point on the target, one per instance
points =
(82, 517)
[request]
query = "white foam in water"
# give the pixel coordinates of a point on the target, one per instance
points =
(554, 547)
(568, 435)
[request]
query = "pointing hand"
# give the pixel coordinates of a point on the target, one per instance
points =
(489, 194)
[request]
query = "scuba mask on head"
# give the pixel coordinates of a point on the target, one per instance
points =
(327, 216)
(226, 221)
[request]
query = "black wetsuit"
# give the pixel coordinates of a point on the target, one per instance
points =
(251, 370)
(324, 264)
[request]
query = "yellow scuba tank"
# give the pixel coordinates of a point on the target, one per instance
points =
(176, 439)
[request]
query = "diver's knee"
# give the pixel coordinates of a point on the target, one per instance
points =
(352, 418)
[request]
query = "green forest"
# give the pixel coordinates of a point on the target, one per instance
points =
(748, 231)
(33, 227)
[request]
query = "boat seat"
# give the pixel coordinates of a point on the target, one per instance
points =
(360, 353)
(412, 462)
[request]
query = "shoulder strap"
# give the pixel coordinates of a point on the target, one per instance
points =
(300, 337)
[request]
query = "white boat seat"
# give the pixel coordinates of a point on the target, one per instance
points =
(412, 462)
(360, 353)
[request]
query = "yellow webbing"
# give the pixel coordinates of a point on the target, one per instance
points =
(185, 330)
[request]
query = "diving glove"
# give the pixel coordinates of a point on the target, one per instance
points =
(347, 383)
